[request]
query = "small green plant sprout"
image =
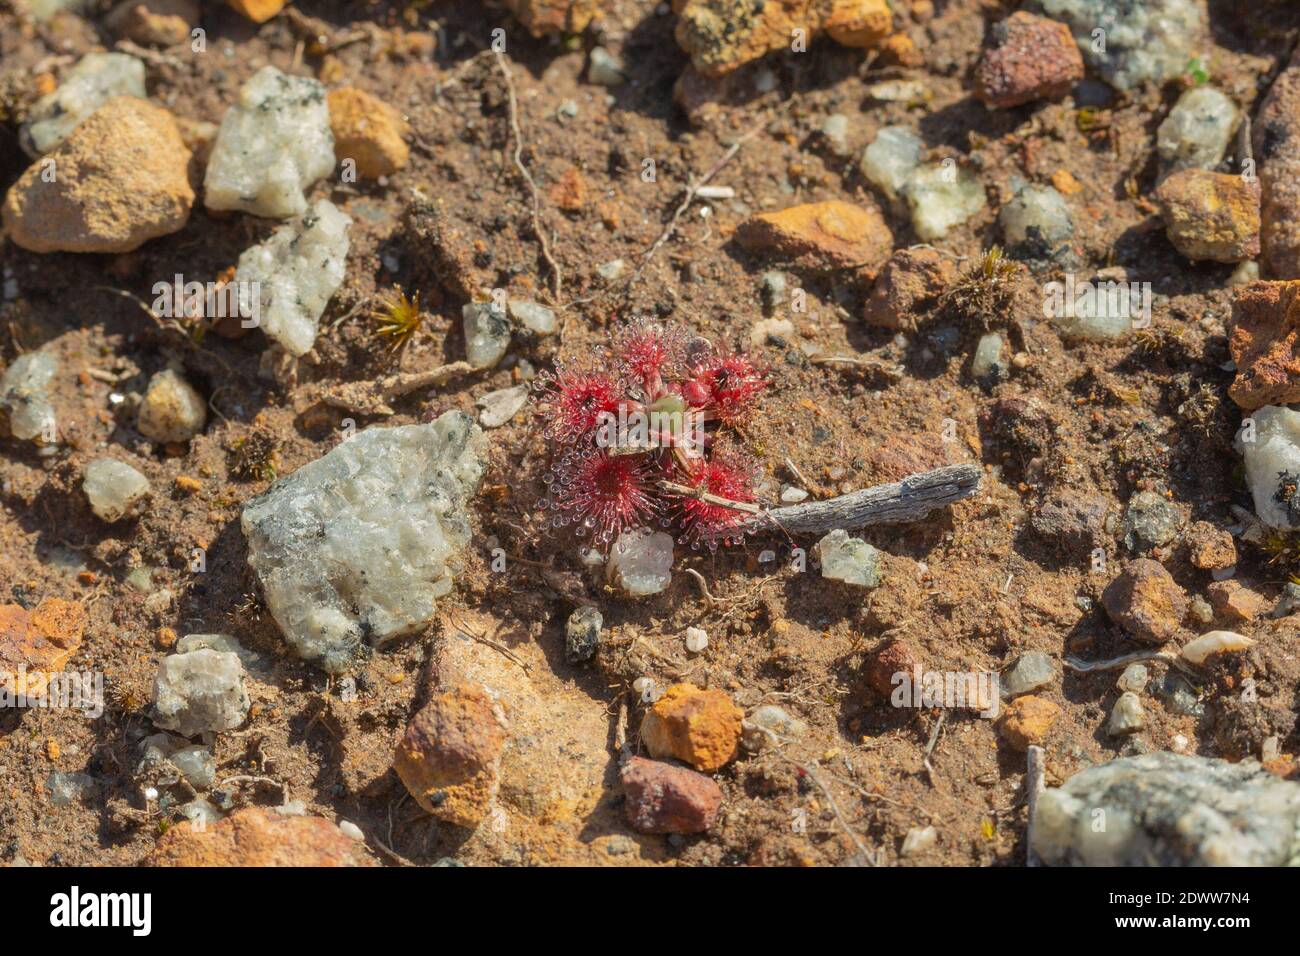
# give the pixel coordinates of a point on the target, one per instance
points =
(397, 317)
(983, 293)
(1196, 72)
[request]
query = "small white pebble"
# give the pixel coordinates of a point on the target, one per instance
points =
(791, 495)
(715, 192)
(150, 793)
(647, 689)
(918, 840)
(352, 830)
(696, 639)
(1271, 749)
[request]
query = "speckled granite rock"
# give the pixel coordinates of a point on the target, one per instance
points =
(295, 273)
(361, 543)
(1151, 41)
(273, 143)
(1166, 809)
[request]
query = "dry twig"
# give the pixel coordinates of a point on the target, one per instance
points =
(1033, 789)
(543, 238)
(934, 740)
(911, 499)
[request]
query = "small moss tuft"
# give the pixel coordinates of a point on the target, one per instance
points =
(255, 457)
(983, 293)
(397, 318)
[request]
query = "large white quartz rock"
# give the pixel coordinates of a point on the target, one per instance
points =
(272, 144)
(23, 396)
(285, 282)
(96, 79)
(1269, 441)
(360, 544)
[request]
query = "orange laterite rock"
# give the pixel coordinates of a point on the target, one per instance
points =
(37, 643)
(698, 727)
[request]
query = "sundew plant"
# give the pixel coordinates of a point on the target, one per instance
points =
(644, 434)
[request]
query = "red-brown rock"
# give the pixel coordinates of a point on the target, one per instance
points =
(1027, 58)
(450, 755)
(664, 798)
(1146, 601)
(895, 657)
(908, 286)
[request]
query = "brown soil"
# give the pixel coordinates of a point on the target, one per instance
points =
(968, 589)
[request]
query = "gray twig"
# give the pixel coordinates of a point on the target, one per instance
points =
(1033, 788)
(934, 740)
(908, 500)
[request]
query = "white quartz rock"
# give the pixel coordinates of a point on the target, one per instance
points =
(361, 543)
(850, 560)
(500, 406)
(988, 357)
(115, 489)
(200, 692)
(172, 409)
(641, 562)
(219, 642)
(272, 144)
(533, 316)
(487, 333)
(891, 158)
(1169, 810)
(23, 396)
(940, 196)
(96, 79)
(1130, 43)
(285, 282)
(1104, 308)
(1269, 440)
(1036, 222)
(1196, 132)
